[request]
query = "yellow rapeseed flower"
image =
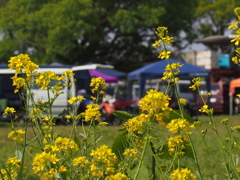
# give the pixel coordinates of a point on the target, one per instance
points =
(41, 160)
(130, 153)
(22, 63)
(235, 60)
(236, 40)
(135, 124)
(16, 135)
(9, 110)
(104, 157)
(80, 161)
(183, 101)
(63, 145)
(205, 109)
(118, 176)
(157, 43)
(154, 101)
(196, 84)
(98, 84)
(171, 70)
(77, 99)
(161, 32)
(164, 54)
(182, 174)
(44, 78)
(13, 162)
(180, 124)
(233, 25)
(92, 111)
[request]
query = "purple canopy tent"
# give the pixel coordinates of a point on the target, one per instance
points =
(107, 78)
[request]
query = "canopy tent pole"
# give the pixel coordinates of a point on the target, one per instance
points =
(230, 104)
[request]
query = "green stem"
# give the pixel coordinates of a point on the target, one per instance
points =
(195, 157)
(141, 159)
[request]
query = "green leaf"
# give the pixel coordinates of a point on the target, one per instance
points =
(176, 114)
(164, 153)
(57, 175)
(188, 151)
(69, 157)
(63, 113)
(124, 116)
(236, 159)
(83, 135)
(99, 139)
(18, 154)
(120, 144)
(77, 141)
(142, 174)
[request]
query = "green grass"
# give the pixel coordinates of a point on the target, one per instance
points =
(209, 167)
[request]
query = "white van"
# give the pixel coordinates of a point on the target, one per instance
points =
(11, 99)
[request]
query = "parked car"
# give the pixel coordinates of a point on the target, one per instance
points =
(219, 100)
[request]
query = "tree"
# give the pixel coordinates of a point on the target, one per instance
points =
(215, 16)
(119, 32)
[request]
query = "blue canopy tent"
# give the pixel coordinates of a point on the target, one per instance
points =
(155, 70)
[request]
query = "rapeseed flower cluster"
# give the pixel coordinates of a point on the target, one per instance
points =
(236, 39)
(22, 64)
(16, 135)
(42, 160)
(66, 77)
(9, 110)
(80, 161)
(135, 124)
(176, 125)
(98, 85)
(196, 84)
(118, 176)
(156, 104)
(206, 109)
(44, 78)
(76, 100)
(11, 170)
(182, 174)
(92, 112)
(62, 145)
(103, 161)
(176, 143)
(171, 71)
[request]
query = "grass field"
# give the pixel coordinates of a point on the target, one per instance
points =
(209, 167)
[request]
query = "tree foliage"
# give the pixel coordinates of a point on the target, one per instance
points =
(118, 32)
(215, 15)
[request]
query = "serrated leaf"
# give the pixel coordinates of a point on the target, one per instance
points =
(120, 143)
(142, 173)
(18, 154)
(124, 116)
